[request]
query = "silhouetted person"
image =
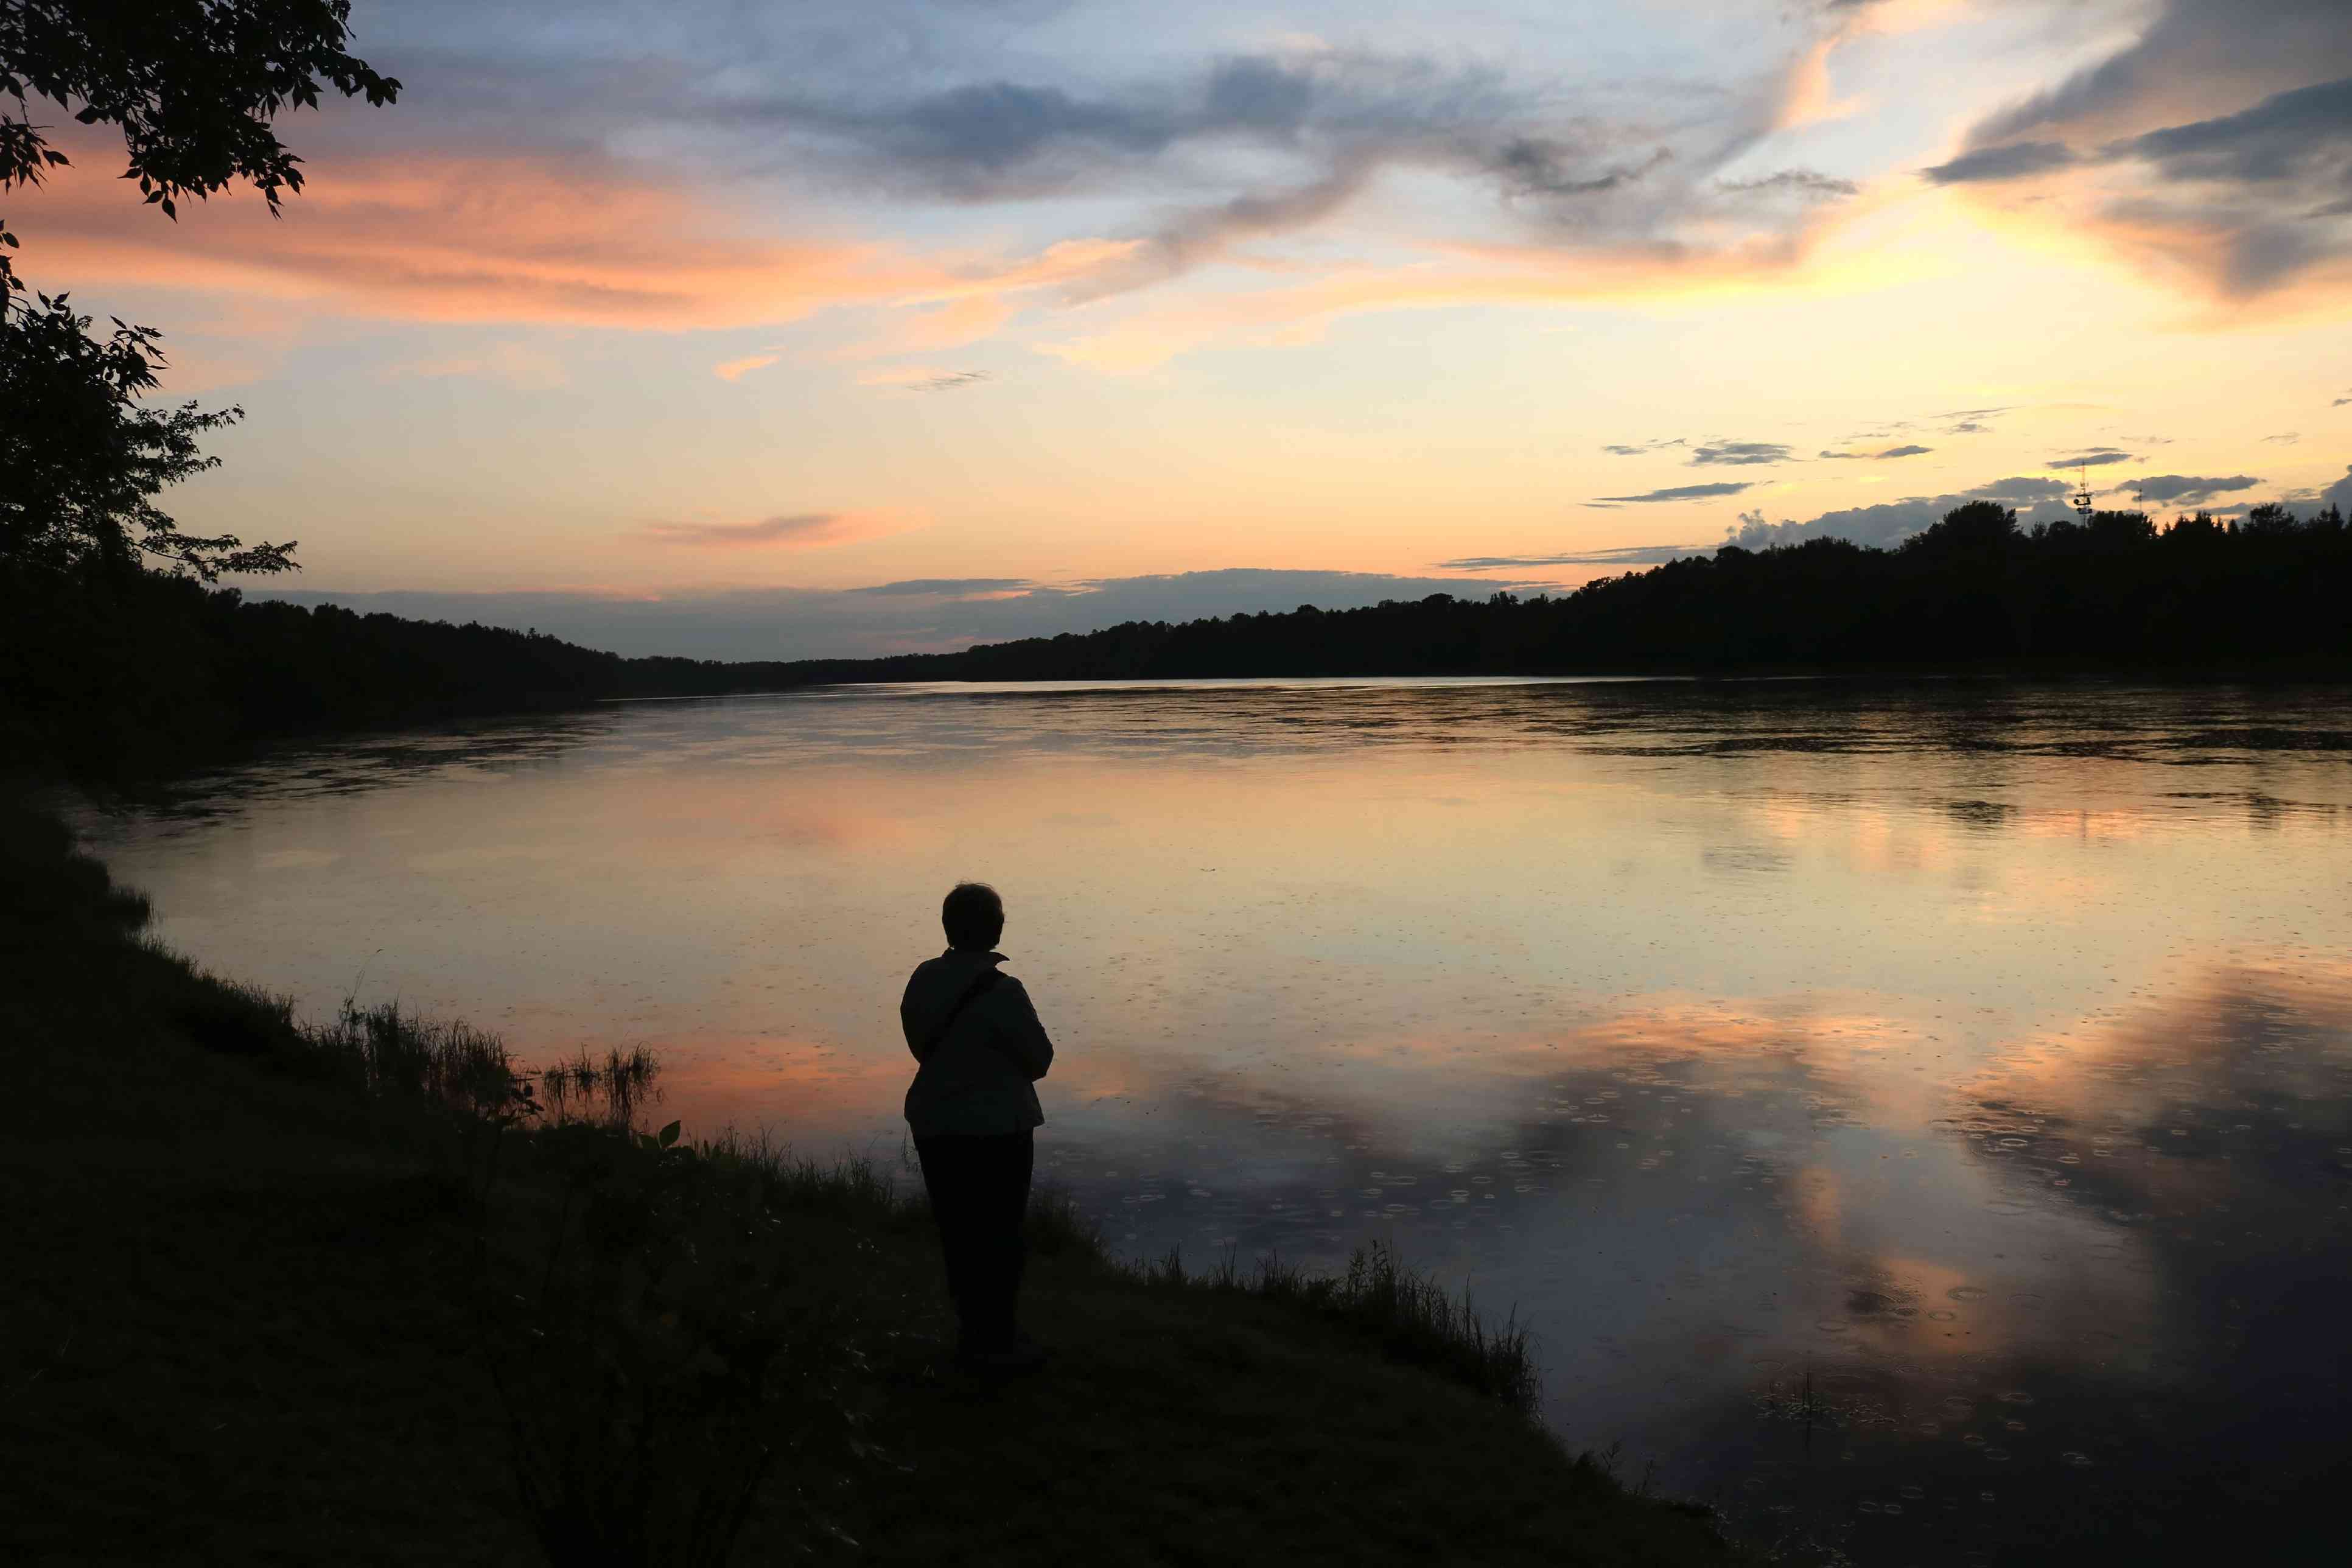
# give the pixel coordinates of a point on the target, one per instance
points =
(975, 1116)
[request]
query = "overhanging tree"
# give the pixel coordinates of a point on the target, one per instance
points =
(195, 85)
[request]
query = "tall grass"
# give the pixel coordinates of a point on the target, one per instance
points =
(398, 1053)
(855, 1188)
(1411, 1316)
(609, 1090)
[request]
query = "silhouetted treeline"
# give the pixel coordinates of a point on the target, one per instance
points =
(105, 672)
(2110, 592)
(100, 673)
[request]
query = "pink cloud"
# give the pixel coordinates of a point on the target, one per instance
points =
(570, 241)
(737, 369)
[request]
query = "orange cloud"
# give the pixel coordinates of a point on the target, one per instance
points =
(1808, 96)
(515, 238)
(737, 369)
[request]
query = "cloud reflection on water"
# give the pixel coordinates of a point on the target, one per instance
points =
(1742, 1037)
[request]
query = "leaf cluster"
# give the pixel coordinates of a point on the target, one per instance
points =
(193, 85)
(81, 461)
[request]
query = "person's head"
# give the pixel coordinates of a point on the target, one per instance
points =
(973, 915)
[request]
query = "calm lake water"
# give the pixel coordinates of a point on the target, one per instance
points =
(1917, 1116)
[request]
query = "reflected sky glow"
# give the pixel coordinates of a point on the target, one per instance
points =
(1877, 1100)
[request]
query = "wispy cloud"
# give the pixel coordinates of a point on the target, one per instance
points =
(737, 369)
(794, 531)
(1738, 454)
(1681, 492)
(2013, 161)
(1625, 556)
(1880, 456)
(938, 381)
(2097, 458)
(2188, 489)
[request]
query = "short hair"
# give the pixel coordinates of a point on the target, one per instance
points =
(973, 915)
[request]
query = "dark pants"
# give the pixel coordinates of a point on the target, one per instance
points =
(980, 1191)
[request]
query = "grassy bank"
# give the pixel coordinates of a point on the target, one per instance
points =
(368, 1292)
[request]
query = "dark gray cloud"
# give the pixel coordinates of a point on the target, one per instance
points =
(1889, 523)
(2286, 438)
(1345, 115)
(1798, 181)
(1879, 456)
(1738, 454)
(2097, 458)
(1625, 450)
(2339, 494)
(1624, 555)
(807, 623)
(2013, 161)
(2278, 139)
(1608, 169)
(959, 101)
(1678, 492)
(1529, 166)
(2244, 195)
(2255, 45)
(2187, 489)
(2341, 400)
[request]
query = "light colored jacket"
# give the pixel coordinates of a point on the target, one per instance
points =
(977, 1078)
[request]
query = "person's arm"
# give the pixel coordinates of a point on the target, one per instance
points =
(1020, 1035)
(906, 1023)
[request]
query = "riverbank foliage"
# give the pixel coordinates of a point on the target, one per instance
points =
(165, 668)
(354, 1293)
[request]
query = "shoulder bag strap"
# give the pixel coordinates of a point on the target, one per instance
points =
(980, 982)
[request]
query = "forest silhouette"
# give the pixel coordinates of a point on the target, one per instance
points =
(2111, 590)
(113, 666)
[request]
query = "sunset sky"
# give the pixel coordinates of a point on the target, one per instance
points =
(759, 331)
